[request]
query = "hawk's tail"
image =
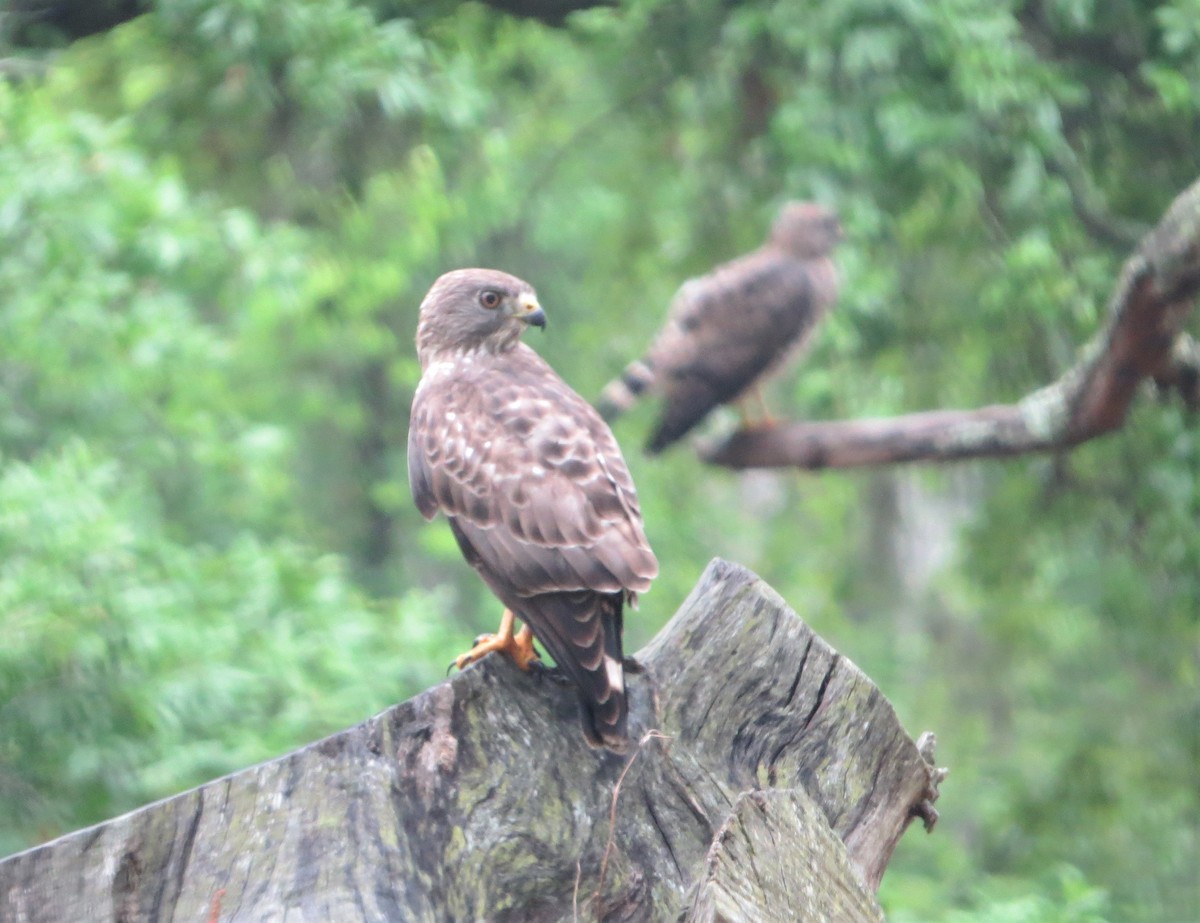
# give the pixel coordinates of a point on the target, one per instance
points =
(581, 630)
(623, 391)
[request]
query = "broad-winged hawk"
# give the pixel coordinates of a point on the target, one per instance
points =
(727, 329)
(534, 487)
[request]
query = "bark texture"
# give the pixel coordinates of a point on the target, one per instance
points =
(772, 781)
(1143, 338)
(809, 880)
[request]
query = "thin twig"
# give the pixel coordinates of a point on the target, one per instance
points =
(575, 893)
(214, 910)
(653, 733)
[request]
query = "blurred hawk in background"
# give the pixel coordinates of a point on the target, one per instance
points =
(728, 329)
(534, 486)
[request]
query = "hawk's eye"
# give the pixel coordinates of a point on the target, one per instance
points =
(489, 299)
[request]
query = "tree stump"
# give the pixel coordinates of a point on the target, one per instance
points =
(771, 780)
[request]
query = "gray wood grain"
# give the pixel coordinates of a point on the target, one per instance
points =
(749, 878)
(479, 800)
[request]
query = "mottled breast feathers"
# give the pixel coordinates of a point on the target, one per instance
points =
(531, 474)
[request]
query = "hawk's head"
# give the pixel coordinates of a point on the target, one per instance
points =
(806, 230)
(470, 309)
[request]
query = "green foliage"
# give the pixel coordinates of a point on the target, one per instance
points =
(164, 621)
(133, 663)
(216, 223)
(1065, 898)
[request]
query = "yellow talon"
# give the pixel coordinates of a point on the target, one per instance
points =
(518, 647)
(754, 400)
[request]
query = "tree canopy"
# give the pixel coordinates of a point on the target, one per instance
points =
(218, 217)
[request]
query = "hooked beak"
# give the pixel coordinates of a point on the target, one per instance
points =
(529, 311)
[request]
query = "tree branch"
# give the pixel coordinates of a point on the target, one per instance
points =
(1141, 339)
(41, 23)
(551, 12)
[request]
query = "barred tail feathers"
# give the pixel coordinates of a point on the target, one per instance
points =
(623, 391)
(581, 630)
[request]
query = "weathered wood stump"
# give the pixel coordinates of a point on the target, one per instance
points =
(772, 781)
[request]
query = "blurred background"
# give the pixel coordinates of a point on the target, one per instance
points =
(218, 217)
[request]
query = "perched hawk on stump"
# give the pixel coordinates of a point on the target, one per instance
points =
(533, 485)
(727, 329)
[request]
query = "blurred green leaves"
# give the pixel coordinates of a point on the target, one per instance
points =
(217, 221)
(134, 664)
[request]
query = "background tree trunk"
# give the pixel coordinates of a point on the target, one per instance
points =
(772, 780)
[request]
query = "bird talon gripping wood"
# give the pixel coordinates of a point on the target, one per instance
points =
(533, 485)
(517, 647)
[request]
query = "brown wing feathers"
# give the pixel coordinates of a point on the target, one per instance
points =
(581, 630)
(766, 310)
